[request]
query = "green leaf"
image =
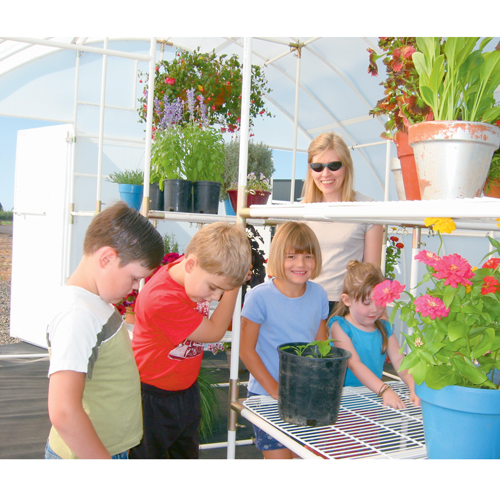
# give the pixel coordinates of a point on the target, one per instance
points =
(457, 330)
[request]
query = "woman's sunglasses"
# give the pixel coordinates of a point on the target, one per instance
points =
(333, 166)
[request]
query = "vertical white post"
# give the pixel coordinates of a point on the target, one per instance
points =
(101, 126)
(295, 124)
(242, 183)
(386, 198)
(149, 126)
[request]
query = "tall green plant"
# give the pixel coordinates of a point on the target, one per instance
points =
(128, 177)
(458, 82)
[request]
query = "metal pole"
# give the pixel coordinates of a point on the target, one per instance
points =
(295, 123)
(242, 200)
(149, 127)
(101, 127)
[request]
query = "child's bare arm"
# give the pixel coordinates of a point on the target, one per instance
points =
(69, 418)
(396, 357)
(213, 329)
(249, 356)
(322, 331)
(361, 371)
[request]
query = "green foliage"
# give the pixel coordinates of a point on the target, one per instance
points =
(462, 348)
(260, 161)
(217, 81)
(170, 243)
(209, 404)
(6, 215)
(128, 177)
(191, 152)
(316, 349)
(494, 172)
(457, 81)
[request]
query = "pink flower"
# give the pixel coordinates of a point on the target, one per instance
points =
(428, 258)
(454, 269)
(387, 292)
(434, 307)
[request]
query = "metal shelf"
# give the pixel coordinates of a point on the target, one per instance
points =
(365, 428)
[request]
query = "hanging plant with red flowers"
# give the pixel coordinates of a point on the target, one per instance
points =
(217, 82)
(401, 103)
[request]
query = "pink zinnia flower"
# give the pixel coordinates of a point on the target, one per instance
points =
(434, 307)
(454, 269)
(428, 258)
(387, 292)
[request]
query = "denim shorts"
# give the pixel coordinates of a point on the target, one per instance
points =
(51, 454)
(263, 441)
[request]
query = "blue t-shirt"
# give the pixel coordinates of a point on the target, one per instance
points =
(368, 345)
(282, 319)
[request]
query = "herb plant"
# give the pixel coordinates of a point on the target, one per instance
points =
(316, 349)
(135, 177)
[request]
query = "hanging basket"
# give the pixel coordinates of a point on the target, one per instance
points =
(453, 157)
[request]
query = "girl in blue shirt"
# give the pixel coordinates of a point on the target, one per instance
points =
(287, 308)
(357, 325)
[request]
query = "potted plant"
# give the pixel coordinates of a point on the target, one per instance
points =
(401, 103)
(130, 185)
(217, 81)
(454, 350)
(458, 81)
(187, 154)
(311, 377)
(392, 256)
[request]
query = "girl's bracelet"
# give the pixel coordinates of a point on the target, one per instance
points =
(383, 389)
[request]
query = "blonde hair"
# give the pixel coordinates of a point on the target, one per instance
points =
(293, 237)
(320, 145)
(222, 249)
(359, 282)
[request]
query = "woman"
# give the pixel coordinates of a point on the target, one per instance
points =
(330, 178)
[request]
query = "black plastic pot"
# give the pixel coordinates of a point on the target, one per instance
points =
(206, 197)
(310, 389)
(178, 195)
(155, 197)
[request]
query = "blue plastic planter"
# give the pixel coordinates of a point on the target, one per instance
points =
(131, 194)
(228, 207)
(461, 422)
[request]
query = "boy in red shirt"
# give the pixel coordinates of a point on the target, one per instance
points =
(171, 326)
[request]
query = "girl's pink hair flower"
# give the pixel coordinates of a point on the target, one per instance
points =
(454, 269)
(386, 292)
(434, 307)
(428, 258)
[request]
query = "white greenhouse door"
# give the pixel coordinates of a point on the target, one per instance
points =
(41, 228)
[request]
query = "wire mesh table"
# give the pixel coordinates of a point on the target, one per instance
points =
(365, 428)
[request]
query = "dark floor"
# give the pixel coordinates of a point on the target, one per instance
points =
(24, 422)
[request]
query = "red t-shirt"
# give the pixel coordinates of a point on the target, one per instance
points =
(164, 317)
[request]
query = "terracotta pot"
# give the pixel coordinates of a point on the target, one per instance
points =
(493, 190)
(453, 157)
(255, 198)
(408, 166)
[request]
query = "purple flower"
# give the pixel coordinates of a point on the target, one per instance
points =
(191, 102)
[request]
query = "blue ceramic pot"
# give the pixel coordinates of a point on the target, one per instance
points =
(461, 422)
(131, 194)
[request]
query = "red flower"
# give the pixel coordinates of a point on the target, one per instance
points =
(394, 238)
(455, 269)
(399, 245)
(170, 81)
(490, 285)
(262, 111)
(493, 263)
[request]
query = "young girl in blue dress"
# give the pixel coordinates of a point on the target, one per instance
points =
(358, 325)
(287, 308)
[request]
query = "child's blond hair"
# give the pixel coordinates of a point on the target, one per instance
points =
(359, 282)
(222, 249)
(293, 237)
